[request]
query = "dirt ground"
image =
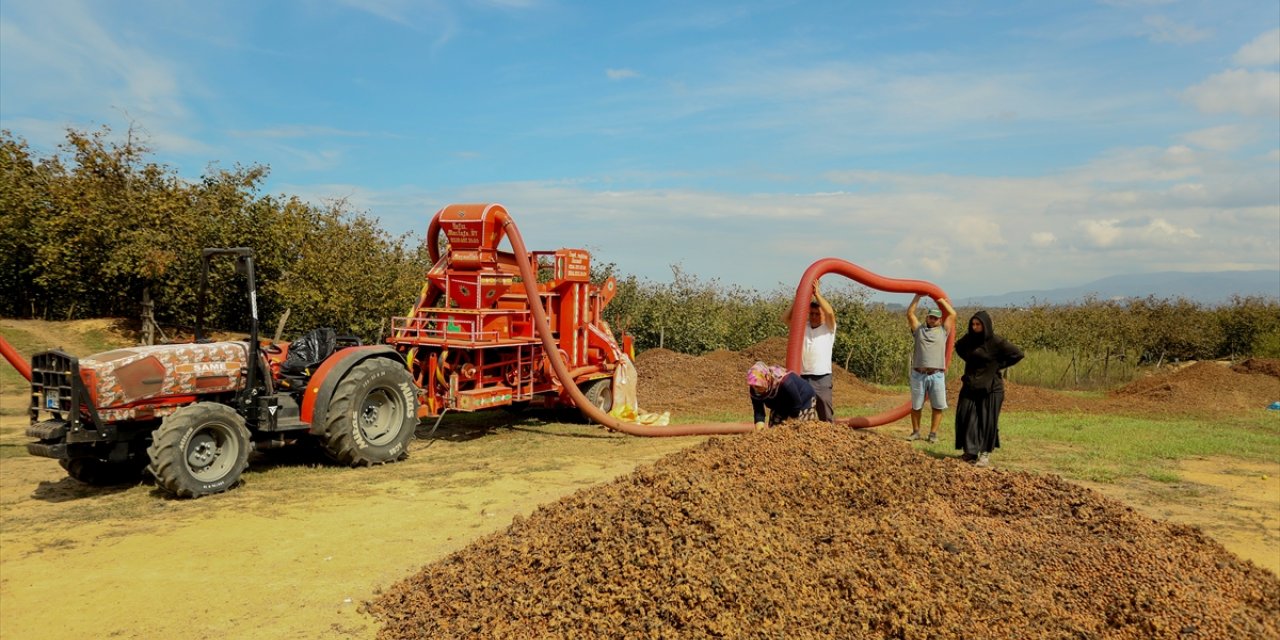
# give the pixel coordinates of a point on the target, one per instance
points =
(296, 550)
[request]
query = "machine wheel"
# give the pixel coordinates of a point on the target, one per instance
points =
(199, 449)
(101, 473)
(372, 414)
(600, 394)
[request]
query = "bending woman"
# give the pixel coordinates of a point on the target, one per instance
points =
(985, 356)
(785, 394)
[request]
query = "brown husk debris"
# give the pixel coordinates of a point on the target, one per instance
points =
(814, 531)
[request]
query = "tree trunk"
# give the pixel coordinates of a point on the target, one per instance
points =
(148, 335)
(280, 325)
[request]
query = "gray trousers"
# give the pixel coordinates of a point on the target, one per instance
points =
(822, 387)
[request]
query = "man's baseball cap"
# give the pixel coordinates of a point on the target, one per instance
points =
(933, 313)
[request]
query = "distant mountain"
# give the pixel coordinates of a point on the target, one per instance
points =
(1206, 288)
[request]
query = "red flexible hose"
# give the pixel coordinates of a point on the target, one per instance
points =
(15, 358)
(800, 316)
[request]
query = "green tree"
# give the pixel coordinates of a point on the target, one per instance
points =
(351, 275)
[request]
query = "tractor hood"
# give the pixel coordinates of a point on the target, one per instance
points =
(126, 376)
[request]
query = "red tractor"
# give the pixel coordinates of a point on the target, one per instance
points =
(471, 342)
(480, 336)
(190, 413)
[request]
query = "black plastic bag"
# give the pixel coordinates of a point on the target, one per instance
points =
(309, 350)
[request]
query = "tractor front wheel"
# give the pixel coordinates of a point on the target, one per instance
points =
(198, 450)
(372, 414)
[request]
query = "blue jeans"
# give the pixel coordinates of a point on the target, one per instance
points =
(932, 384)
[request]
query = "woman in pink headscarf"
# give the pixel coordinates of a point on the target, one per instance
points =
(785, 394)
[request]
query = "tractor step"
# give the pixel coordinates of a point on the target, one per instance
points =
(280, 412)
(48, 430)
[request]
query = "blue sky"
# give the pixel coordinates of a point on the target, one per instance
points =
(986, 147)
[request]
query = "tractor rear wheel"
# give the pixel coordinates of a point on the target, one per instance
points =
(102, 473)
(599, 394)
(372, 414)
(199, 449)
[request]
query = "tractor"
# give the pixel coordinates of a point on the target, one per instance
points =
(190, 413)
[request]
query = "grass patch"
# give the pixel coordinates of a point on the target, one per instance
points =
(1114, 448)
(1099, 448)
(99, 341)
(11, 381)
(13, 450)
(1054, 370)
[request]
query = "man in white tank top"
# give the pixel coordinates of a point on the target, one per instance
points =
(819, 340)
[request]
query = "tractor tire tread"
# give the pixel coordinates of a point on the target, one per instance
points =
(339, 445)
(168, 439)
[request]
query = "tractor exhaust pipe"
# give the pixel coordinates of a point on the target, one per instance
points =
(15, 358)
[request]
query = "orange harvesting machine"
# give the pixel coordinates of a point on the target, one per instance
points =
(471, 341)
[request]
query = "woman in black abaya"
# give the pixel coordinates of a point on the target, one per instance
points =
(985, 356)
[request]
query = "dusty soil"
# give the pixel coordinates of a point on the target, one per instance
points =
(289, 554)
(294, 551)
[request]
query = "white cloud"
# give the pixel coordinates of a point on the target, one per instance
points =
(620, 74)
(1159, 229)
(1162, 29)
(62, 54)
(1042, 239)
(1138, 165)
(1103, 233)
(1263, 51)
(1130, 210)
(1117, 233)
(1222, 138)
(1250, 93)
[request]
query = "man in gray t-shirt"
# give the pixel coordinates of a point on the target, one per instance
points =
(929, 363)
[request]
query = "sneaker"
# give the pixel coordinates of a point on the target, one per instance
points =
(933, 438)
(984, 460)
(968, 457)
(915, 435)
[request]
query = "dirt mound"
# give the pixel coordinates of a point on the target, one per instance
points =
(1020, 397)
(1265, 366)
(806, 531)
(1203, 387)
(716, 382)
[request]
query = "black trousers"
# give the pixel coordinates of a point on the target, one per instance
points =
(822, 387)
